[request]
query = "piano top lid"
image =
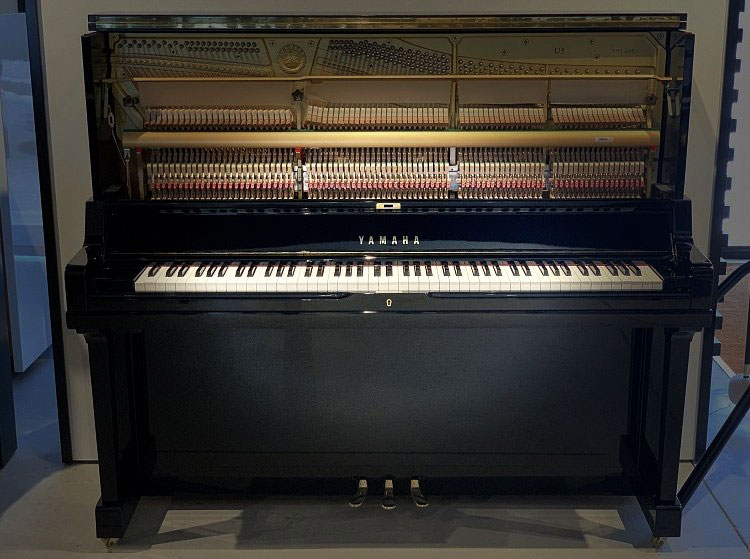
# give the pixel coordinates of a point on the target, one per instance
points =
(418, 24)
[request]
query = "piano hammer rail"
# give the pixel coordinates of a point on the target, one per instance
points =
(393, 138)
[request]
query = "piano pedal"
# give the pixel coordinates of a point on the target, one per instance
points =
(359, 497)
(416, 494)
(389, 498)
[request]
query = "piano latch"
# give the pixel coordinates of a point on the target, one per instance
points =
(388, 206)
(673, 106)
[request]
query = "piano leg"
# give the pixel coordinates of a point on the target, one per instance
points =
(650, 452)
(110, 360)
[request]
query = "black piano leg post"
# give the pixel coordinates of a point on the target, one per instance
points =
(115, 440)
(663, 378)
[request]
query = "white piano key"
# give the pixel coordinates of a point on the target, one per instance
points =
(470, 276)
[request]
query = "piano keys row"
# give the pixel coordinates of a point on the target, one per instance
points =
(398, 276)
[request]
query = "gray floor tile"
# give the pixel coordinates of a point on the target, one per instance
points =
(729, 479)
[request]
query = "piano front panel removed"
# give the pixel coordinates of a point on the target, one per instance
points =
(449, 251)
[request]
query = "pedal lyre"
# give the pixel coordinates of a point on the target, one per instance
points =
(359, 497)
(416, 494)
(389, 498)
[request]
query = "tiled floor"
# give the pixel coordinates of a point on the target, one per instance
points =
(47, 511)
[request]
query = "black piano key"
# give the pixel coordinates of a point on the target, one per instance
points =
(337, 269)
(457, 268)
(251, 269)
(172, 269)
(405, 267)
(428, 269)
(582, 268)
(542, 268)
(280, 269)
(553, 267)
(223, 269)
(348, 269)
(594, 268)
(183, 271)
(376, 269)
(269, 270)
(292, 269)
(611, 268)
(636, 270)
(240, 269)
(321, 270)
(513, 268)
(525, 268)
(565, 268)
(388, 269)
(446, 269)
(212, 269)
(360, 269)
(486, 269)
(309, 269)
(474, 268)
(623, 268)
(498, 269)
(201, 270)
(154, 269)
(417, 269)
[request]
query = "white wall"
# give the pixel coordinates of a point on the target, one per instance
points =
(64, 22)
(738, 199)
(8, 6)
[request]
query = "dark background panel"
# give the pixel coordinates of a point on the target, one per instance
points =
(315, 387)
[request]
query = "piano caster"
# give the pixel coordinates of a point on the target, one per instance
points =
(416, 494)
(360, 496)
(657, 541)
(109, 543)
(389, 499)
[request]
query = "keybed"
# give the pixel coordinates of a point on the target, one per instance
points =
(399, 276)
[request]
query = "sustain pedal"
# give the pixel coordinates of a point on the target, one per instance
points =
(389, 497)
(359, 497)
(416, 494)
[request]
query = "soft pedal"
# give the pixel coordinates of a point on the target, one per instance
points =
(416, 494)
(359, 497)
(389, 497)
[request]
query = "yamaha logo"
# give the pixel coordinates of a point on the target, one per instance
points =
(388, 240)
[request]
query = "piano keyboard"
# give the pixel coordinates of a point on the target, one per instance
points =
(398, 276)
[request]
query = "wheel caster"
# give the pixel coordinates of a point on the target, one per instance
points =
(657, 541)
(109, 543)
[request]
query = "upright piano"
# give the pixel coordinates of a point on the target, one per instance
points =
(403, 255)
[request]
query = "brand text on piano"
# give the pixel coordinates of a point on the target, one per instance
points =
(388, 239)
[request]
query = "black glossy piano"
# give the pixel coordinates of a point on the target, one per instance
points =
(416, 258)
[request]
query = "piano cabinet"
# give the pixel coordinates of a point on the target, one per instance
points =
(494, 402)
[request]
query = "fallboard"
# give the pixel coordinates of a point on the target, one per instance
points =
(137, 229)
